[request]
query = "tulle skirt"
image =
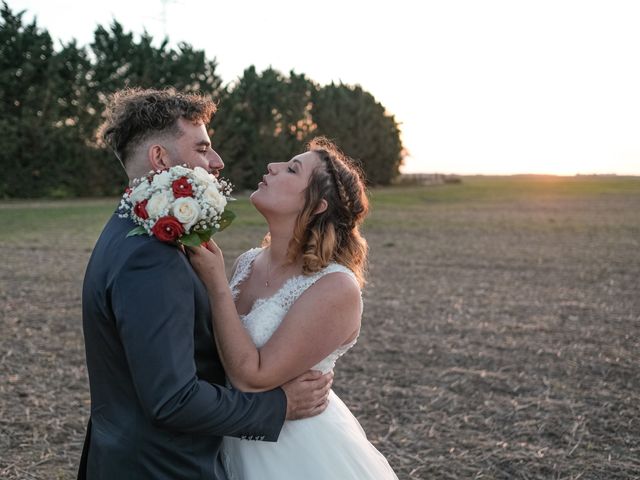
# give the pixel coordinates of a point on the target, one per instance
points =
(329, 446)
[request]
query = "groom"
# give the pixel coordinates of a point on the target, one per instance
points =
(159, 407)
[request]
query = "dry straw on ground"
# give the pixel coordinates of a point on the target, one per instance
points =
(500, 338)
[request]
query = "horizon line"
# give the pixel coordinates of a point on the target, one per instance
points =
(608, 174)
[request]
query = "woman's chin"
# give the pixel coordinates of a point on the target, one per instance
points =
(256, 200)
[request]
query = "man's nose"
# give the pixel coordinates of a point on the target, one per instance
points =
(215, 161)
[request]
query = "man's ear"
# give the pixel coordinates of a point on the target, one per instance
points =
(158, 157)
(322, 206)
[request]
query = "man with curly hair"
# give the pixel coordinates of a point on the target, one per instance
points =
(159, 405)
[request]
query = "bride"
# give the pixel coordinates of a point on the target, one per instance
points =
(295, 305)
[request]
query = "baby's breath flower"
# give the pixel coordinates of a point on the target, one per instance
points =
(199, 211)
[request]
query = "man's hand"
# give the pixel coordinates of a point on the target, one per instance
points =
(307, 395)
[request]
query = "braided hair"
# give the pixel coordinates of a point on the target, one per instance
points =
(332, 235)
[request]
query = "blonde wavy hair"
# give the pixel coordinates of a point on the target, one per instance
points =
(334, 234)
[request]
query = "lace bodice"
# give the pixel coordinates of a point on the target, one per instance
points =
(266, 314)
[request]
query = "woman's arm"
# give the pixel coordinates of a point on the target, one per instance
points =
(325, 317)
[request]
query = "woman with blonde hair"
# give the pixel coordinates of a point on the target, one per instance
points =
(293, 305)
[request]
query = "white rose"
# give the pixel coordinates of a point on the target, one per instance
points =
(159, 203)
(161, 180)
(214, 198)
(203, 176)
(140, 192)
(187, 211)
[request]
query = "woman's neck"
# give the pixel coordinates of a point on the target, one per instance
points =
(279, 244)
(278, 249)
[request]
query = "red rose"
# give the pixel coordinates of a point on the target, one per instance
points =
(167, 229)
(182, 188)
(128, 190)
(141, 209)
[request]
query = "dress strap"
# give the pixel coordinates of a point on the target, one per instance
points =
(296, 286)
(243, 269)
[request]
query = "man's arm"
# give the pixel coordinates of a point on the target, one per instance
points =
(153, 302)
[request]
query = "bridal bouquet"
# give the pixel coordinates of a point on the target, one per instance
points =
(178, 205)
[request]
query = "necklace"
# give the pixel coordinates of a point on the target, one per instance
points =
(266, 283)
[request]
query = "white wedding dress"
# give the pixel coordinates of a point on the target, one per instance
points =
(329, 446)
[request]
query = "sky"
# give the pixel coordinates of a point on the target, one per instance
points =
(478, 86)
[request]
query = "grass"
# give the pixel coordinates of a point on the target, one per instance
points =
(513, 188)
(78, 222)
(40, 222)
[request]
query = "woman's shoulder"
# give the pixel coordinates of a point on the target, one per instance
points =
(331, 291)
(337, 267)
(334, 267)
(335, 281)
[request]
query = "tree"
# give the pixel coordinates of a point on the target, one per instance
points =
(47, 121)
(121, 61)
(52, 99)
(361, 127)
(26, 115)
(262, 118)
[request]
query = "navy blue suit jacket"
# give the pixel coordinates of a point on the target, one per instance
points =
(159, 406)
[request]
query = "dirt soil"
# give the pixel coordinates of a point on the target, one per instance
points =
(500, 340)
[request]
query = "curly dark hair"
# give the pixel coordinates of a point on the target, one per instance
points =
(134, 114)
(334, 234)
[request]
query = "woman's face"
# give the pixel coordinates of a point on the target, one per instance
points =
(282, 188)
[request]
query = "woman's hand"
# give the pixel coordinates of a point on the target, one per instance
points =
(208, 262)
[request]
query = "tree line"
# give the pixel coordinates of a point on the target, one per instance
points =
(52, 99)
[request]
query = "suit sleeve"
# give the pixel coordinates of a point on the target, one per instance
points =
(153, 301)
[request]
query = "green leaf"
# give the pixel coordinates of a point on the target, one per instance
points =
(191, 240)
(225, 219)
(137, 231)
(205, 235)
